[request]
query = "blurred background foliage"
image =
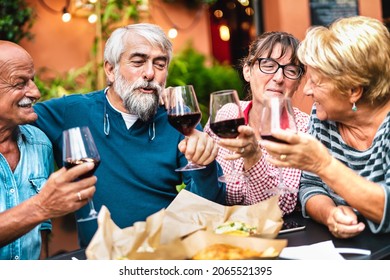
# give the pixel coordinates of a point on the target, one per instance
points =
(16, 20)
(187, 67)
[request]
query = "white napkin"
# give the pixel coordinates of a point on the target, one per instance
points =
(318, 251)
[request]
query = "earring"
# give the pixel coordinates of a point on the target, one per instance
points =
(354, 108)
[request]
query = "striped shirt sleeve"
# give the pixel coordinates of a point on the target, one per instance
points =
(372, 164)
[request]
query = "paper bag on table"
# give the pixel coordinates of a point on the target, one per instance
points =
(172, 251)
(111, 242)
(189, 213)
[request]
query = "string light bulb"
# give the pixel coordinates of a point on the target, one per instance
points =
(172, 33)
(92, 18)
(224, 33)
(66, 16)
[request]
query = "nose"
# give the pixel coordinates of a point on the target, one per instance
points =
(148, 72)
(32, 90)
(278, 75)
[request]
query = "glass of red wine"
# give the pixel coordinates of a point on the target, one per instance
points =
(225, 118)
(79, 147)
(277, 113)
(184, 114)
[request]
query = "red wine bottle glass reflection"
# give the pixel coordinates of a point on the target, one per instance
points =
(277, 113)
(184, 114)
(79, 147)
(225, 118)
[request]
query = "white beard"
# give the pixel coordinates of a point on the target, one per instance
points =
(137, 103)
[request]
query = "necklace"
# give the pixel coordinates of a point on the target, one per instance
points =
(106, 121)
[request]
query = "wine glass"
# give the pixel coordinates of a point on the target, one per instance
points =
(225, 118)
(277, 113)
(79, 147)
(184, 114)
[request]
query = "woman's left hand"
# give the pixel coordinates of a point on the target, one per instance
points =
(244, 145)
(342, 222)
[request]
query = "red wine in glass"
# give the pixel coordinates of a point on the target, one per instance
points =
(277, 113)
(184, 114)
(69, 163)
(185, 123)
(225, 118)
(79, 147)
(227, 128)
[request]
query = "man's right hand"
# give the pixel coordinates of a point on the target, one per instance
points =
(63, 194)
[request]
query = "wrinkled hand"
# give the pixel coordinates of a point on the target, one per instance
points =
(244, 145)
(343, 223)
(59, 195)
(199, 148)
(302, 151)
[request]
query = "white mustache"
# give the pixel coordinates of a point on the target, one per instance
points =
(148, 85)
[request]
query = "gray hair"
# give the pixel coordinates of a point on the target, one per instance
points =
(115, 45)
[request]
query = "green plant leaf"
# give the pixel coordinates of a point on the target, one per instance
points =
(180, 187)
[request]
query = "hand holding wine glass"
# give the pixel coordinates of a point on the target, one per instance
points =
(79, 147)
(225, 125)
(277, 113)
(184, 114)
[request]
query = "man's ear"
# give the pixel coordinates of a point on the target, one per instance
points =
(109, 70)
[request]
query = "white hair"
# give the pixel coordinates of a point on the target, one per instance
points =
(115, 45)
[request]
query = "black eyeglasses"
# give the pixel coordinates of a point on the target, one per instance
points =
(271, 66)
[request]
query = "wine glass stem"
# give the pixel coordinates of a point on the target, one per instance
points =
(233, 167)
(92, 206)
(281, 179)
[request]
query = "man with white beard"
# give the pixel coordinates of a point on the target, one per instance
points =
(139, 149)
(28, 196)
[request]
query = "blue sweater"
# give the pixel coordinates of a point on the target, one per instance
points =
(136, 176)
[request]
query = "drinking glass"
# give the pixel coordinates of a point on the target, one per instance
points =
(225, 118)
(277, 113)
(79, 147)
(184, 114)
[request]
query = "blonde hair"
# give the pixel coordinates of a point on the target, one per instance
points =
(353, 52)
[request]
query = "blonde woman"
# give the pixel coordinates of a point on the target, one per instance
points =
(346, 182)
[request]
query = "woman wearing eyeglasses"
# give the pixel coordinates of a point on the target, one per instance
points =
(345, 155)
(271, 68)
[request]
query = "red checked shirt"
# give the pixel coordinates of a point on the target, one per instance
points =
(262, 175)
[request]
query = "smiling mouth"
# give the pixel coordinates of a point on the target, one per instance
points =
(25, 103)
(25, 106)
